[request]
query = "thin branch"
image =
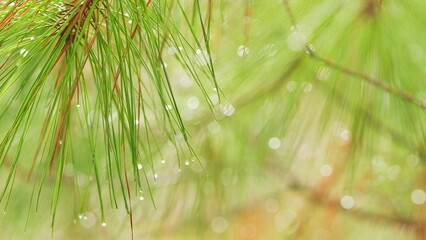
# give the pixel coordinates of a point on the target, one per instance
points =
(374, 81)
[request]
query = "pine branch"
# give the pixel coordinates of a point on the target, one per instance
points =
(371, 80)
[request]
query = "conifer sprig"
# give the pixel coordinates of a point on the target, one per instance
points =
(99, 65)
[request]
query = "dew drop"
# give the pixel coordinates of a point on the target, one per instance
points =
(347, 202)
(243, 51)
(270, 50)
(307, 87)
(274, 143)
(214, 127)
(140, 166)
(418, 197)
(326, 170)
(228, 109)
(193, 102)
(322, 73)
(219, 224)
(88, 221)
(214, 98)
(291, 86)
(24, 52)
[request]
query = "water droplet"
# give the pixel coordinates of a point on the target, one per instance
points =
(78, 105)
(291, 86)
(345, 134)
(270, 50)
(81, 179)
(140, 166)
(168, 107)
(186, 163)
(163, 161)
(141, 198)
(137, 122)
(202, 57)
(214, 127)
(103, 224)
(274, 143)
(24, 52)
(307, 87)
(193, 102)
(155, 176)
(323, 73)
(347, 202)
(295, 28)
(309, 48)
(228, 109)
(418, 197)
(326, 170)
(243, 51)
(214, 98)
(219, 224)
(88, 221)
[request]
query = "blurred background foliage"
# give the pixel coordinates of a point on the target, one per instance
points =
(301, 144)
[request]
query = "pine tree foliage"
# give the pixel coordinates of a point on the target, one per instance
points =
(98, 65)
